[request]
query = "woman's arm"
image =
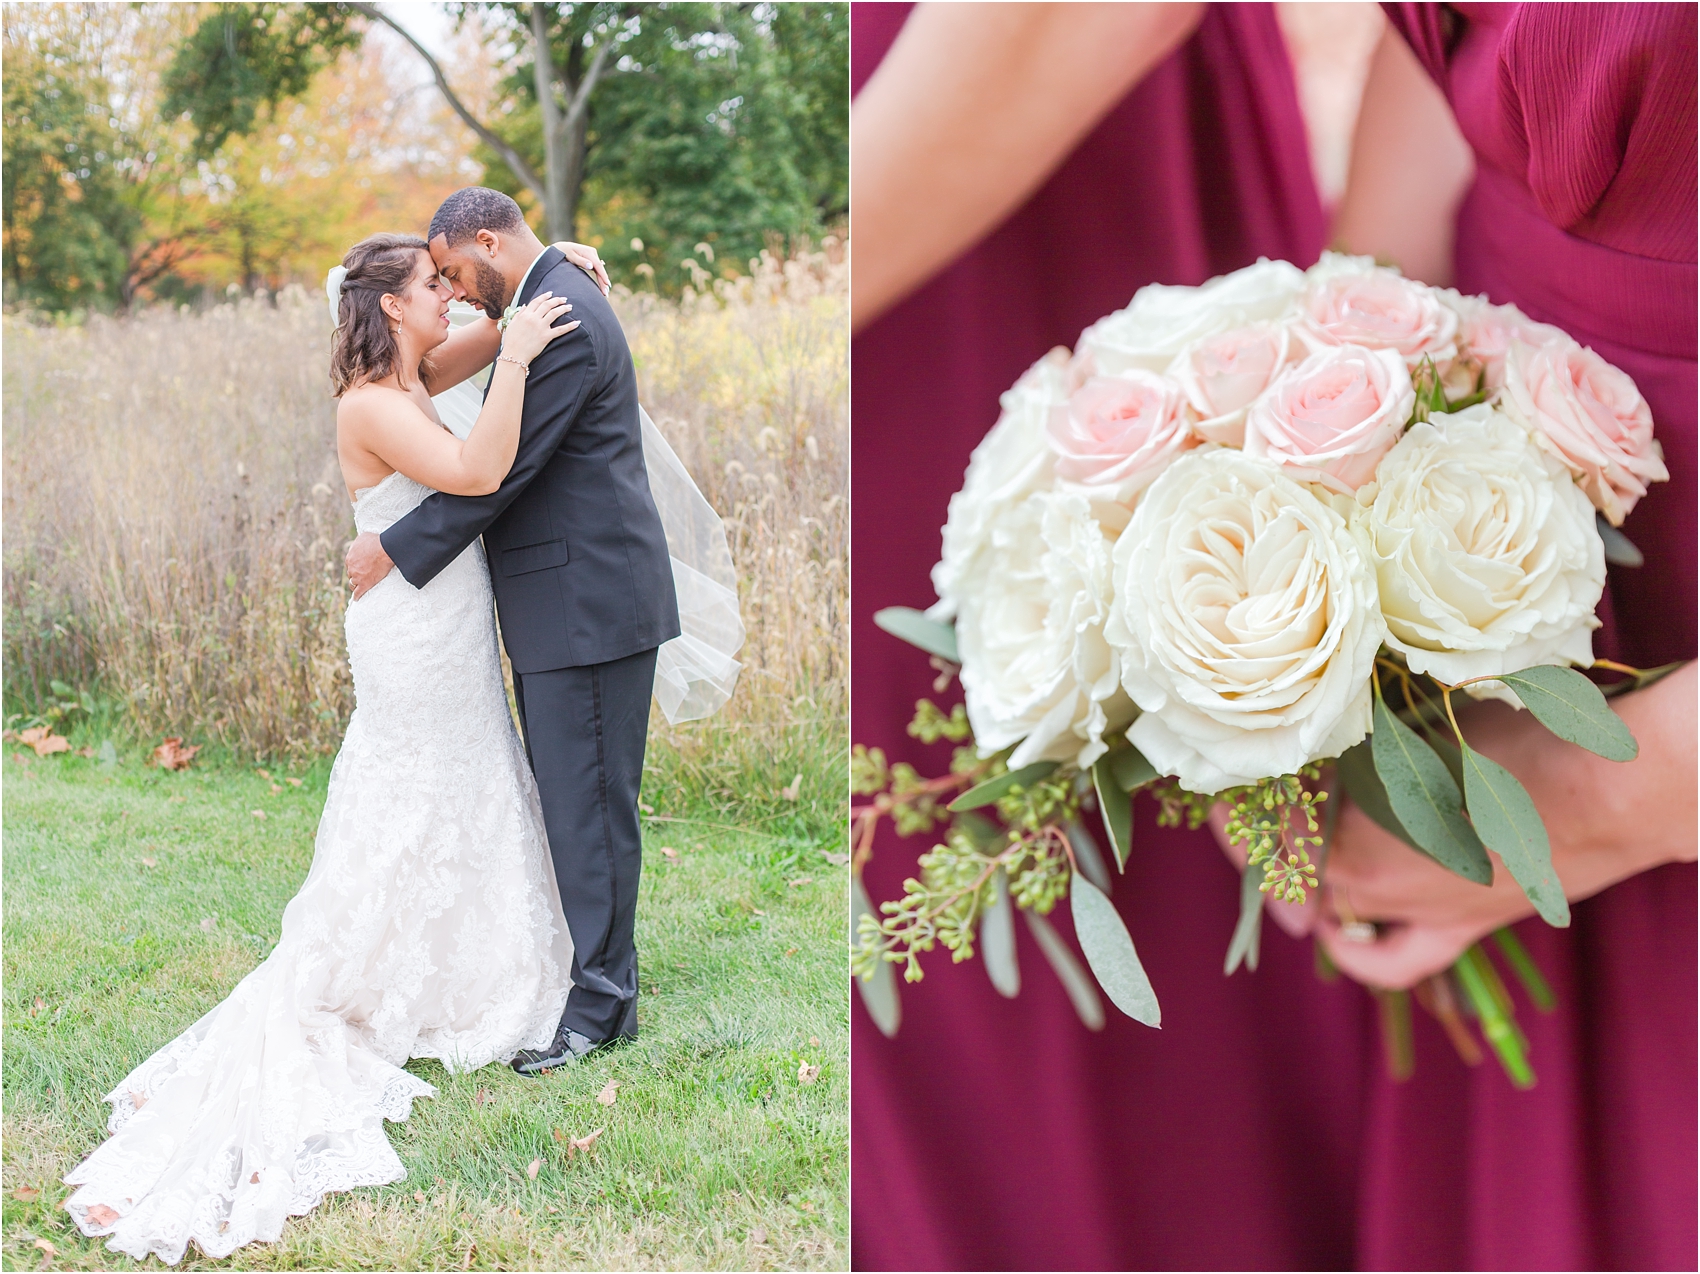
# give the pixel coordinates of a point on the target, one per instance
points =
(1409, 170)
(390, 426)
(973, 107)
(467, 351)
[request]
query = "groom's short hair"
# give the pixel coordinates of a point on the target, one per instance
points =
(471, 209)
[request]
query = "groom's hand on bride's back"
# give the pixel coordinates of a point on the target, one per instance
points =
(367, 563)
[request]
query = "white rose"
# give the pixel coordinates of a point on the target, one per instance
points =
(1245, 616)
(1012, 461)
(1334, 265)
(1485, 551)
(1030, 630)
(1161, 320)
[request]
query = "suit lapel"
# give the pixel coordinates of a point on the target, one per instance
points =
(548, 261)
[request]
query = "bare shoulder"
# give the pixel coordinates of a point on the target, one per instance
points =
(376, 406)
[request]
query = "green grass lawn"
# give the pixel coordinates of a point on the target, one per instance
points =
(135, 898)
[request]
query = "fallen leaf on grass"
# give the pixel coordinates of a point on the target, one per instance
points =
(209, 924)
(259, 814)
(26, 1194)
(667, 851)
(557, 1134)
(550, 1207)
(419, 1196)
(173, 754)
(467, 1263)
(584, 1143)
(150, 862)
(44, 741)
(792, 792)
(837, 860)
(276, 789)
(802, 880)
(808, 1206)
(531, 1169)
(758, 1236)
(790, 951)
(814, 1041)
(607, 1095)
(807, 1074)
(40, 1004)
(757, 911)
(86, 752)
(438, 1180)
(293, 782)
(483, 1097)
(265, 774)
(52, 1251)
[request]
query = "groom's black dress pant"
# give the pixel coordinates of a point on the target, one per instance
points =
(585, 730)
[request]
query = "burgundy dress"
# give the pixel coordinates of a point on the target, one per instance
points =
(1257, 1130)
(1583, 213)
(1001, 1134)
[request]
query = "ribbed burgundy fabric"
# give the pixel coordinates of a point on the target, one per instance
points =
(1257, 1130)
(1001, 1134)
(1583, 213)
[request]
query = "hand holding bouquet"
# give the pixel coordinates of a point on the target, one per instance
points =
(1242, 547)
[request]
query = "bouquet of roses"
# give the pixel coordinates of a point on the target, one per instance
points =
(1244, 547)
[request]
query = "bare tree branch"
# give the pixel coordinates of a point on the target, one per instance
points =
(509, 155)
(581, 99)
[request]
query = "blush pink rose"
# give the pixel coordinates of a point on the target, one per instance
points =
(1486, 332)
(1331, 419)
(1379, 310)
(1119, 432)
(1221, 376)
(1588, 414)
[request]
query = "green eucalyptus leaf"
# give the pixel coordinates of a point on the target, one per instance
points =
(879, 992)
(997, 939)
(1424, 797)
(1130, 769)
(1109, 951)
(1508, 823)
(1356, 767)
(1248, 932)
(989, 791)
(913, 626)
(1116, 806)
(1087, 856)
(1079, 987)
(1572, 707)
(1620, 551)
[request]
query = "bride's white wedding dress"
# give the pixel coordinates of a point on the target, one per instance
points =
(429, 926)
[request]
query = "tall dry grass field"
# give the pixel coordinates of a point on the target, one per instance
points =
(175, 522)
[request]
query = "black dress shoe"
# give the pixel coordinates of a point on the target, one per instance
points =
(566, 1048)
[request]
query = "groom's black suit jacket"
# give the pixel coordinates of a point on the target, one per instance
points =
(577, 554)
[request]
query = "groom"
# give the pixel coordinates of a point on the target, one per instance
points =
(584, 592)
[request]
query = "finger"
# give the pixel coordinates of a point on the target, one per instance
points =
(561, 331)
(539, 301)
(1398, 960)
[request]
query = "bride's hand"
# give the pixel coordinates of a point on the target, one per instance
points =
(585, 258)
(530, 328)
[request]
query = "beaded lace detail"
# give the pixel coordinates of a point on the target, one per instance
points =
(429, 926)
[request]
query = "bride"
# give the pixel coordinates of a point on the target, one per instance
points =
(430, 924)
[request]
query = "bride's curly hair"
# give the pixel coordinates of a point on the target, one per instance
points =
(365, 347)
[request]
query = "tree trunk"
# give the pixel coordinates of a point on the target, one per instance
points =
(559, 197)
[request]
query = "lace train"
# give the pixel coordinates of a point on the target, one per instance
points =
(429, 926)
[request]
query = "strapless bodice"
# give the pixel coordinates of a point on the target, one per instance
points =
(379, 507)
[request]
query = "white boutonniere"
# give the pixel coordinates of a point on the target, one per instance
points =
(507, 317)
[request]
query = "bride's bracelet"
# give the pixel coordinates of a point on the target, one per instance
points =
(524, 368)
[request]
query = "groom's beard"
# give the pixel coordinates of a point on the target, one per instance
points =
(492, 289)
